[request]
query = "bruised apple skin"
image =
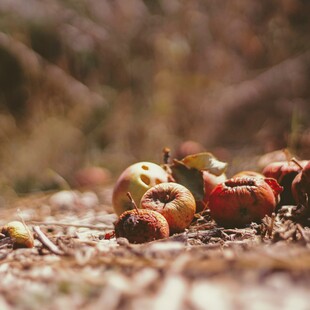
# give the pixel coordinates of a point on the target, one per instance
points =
(174, 201)
(136, 179)
(140, 226)
(240, 201)
(284, 172)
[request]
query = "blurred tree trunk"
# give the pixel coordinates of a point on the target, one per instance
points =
(287, 80)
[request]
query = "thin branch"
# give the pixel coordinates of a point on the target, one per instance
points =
(302, 233)
(46, 241)
(270, 227)
(133, 202)
(107, 227)
(6, 241)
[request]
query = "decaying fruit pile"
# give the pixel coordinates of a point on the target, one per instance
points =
(179, 235)
(178, 191)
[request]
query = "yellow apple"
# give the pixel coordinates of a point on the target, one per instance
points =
(136, 179)
(174, 201)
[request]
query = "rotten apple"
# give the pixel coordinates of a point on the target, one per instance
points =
(240, 201)
(140, 226)
(210, 181)
(284, 172)
(200, 173)
(301, 186)
(91, 177)
(136, 179)
(174, 201)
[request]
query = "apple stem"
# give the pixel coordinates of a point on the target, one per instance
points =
(166, 152)
(132, 201)
(25, 226)
(295, 161)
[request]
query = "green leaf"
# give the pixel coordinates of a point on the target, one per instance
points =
(205, 161)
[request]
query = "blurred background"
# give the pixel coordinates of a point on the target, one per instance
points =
(107, 83)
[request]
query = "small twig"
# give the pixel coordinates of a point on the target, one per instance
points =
(46, 241)
(6, 241)
(295, 161)
(132, 202)
(166, 154)
(86, 242)
(237, 231)
(70, 225)
(270, 226)
(285, 235)
(287, 154)
(25, 226)
(302, 233)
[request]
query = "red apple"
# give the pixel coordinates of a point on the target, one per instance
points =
(301, 186)
(210, 181)
(297, 189)
(188, 147)
(140, 226)
(284, 172)
(174, 201)
(271, 157)
(91, 177)
(306, 173)
(136, 179)
(279, 169)
(240, 201)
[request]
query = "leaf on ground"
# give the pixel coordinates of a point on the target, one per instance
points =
(205, 161)
(189, 177)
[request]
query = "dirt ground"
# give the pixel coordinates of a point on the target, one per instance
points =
(264, 266)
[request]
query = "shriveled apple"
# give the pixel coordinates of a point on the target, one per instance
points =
(139, 226)
(284, 172)
(240, 201)
(301, 186)
(210, 181)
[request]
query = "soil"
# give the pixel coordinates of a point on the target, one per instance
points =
(79, 264)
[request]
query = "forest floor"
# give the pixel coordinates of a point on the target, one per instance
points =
(264, 266)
